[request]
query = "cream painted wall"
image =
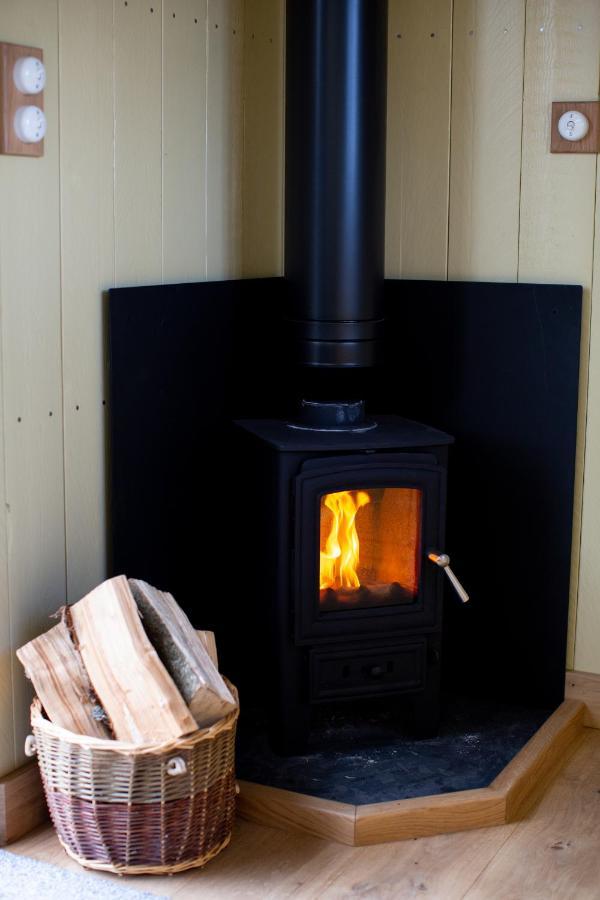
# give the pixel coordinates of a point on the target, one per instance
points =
(140, 183)
(177, 176)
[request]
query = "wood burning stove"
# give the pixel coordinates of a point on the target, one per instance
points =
(344, 519)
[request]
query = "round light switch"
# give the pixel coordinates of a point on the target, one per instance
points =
(30, 124)
(29, 75)
(573, 125)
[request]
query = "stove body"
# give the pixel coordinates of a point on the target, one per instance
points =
(319, 637)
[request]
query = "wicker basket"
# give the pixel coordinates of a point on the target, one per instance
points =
(138, 809)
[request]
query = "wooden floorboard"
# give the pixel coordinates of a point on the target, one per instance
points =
(552, 853)
(555, 852)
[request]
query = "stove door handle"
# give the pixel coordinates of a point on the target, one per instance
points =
(443, 561)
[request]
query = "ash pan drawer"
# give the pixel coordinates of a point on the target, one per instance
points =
(360, 671)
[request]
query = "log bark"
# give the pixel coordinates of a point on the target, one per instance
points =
(183, 653)
(134, 687)
(61, 682)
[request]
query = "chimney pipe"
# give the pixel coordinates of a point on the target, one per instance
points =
(336, 66)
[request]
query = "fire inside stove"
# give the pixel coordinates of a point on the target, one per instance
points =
(370, 548)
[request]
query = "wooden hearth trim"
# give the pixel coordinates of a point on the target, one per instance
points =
(510, 796)
(297, 812)
(22, 803)
(519, 785)
(585, 686)
(402, 820)
(526, 777)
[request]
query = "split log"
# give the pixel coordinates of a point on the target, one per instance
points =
(131, 682)
(183, 654)
(61, 682)
(210, 645)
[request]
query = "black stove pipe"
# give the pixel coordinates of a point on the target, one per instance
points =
(336, 66)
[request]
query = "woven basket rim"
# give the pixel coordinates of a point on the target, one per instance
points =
(186, 741)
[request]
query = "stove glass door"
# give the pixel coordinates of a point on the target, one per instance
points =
(370, 548)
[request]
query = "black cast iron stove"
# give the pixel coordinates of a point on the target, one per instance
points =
(348, 513)
(348, 508)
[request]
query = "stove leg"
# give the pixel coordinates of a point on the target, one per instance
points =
(290, 729)
(425, 717)
(426, 706)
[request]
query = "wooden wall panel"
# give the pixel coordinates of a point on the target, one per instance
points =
(184, 140)
(558, 191)
(418, 144)
(31, 371)
(138, 141)
(587, 605)
(262, 183)
(485, 168)
(224, 112)
(87, 259)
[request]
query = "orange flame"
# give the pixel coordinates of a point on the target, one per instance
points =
(340, 559)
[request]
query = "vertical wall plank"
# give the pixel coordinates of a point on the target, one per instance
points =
(262, 183)
(87, 254)
(418, 145)
(558, 190)
(184, 140)
(7, 732)
(485, 169)
(224, 138)
(138, 141)
(587, 631)
(31, 367)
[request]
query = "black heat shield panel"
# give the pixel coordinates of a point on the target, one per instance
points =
(496, 365)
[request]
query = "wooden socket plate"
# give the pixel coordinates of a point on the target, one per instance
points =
(11, 99)
(591, 142)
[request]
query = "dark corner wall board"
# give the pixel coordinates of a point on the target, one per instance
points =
(496, 365)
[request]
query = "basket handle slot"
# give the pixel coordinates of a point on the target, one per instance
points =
(176, 766)
(30, 745)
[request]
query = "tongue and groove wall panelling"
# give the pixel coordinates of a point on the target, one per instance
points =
(556, 231)
(262, 182)
(418, 140)
(138, 141)
(184, 140)
(587, 638)
(88, 261)
(224, 123)
(485, 166)
(30, 316)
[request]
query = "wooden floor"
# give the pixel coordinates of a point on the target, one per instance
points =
(555, 852)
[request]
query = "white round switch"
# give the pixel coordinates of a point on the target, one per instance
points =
(29, 75)
(30, 124)
(573, 125)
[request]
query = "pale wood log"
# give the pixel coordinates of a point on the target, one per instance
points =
(61, 682)
(183, 654)
(210, 645)
(131, 682)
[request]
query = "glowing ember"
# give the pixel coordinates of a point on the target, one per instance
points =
(340, 559)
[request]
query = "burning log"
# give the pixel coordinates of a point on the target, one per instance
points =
(61, 681)
(183, 653)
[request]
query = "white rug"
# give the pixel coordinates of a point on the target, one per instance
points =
(23, 878)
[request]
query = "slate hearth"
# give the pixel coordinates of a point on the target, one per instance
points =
(372, 759)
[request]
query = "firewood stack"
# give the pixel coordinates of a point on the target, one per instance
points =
(125, 663)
